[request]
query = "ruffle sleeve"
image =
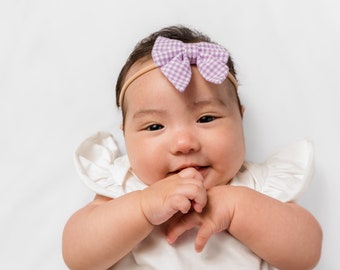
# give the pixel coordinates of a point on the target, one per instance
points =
(285, 175)
(102, 170)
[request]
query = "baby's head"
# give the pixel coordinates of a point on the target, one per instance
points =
(172, 121)
(142, 53)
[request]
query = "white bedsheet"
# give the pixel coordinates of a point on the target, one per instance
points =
(58, 64)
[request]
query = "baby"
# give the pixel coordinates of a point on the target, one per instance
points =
(183, 197)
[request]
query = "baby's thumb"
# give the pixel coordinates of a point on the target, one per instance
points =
(190, 173)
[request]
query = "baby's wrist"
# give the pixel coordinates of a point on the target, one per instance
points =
(142, 210)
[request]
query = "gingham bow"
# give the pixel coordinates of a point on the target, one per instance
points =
(176, 57)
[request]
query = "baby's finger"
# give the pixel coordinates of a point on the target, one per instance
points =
(194, 189)
(199, 203)
(180, 225)
(191, 173)
(196, 194)
(203, 235)
(180, 203)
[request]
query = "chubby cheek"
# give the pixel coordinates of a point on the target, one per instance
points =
(144, 161)
(228, 160)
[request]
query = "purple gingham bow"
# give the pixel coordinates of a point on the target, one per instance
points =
(176, 57)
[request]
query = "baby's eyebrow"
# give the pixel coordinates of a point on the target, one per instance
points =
(148, 112)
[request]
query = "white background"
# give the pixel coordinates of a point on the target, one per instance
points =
(59, 61)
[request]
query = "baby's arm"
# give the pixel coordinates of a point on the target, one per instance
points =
(99, 234)
(104, 231)
(283, 234)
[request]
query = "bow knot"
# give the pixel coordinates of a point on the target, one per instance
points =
(175, 58)
(191, 51)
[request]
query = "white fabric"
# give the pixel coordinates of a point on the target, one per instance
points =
(283, 176)
(102, 170)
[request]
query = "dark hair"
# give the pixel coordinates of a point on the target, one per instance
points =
(144, 47)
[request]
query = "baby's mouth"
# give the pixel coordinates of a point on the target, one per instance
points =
(201, 169)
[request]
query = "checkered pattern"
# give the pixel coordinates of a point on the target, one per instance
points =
(175, 58)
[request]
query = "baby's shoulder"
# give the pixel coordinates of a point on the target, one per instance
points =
(284, 175)
(102, 169)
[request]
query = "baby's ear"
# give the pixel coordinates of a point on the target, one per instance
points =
(243, 109)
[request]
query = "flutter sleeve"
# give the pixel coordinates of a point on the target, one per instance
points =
(284, 176)
(101, 169)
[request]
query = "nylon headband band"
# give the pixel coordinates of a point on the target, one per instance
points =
(132, 78)
(152, 67)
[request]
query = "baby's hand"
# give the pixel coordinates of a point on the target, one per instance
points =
(176, 193)
(215, 218)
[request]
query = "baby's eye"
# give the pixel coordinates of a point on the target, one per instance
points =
(206, 119)
(154, 127)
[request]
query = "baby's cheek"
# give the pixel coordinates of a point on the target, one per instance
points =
(147, 173)
(228, 168)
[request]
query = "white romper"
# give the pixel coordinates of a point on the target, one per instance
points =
(283, 176)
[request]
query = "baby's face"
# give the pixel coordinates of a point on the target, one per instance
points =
(167, 131)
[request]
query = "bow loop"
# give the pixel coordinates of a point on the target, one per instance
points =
(175, 58)
(163, 51)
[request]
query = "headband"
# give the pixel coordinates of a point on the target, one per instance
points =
(175, 58)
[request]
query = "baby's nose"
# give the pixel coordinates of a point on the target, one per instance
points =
(184, 142)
